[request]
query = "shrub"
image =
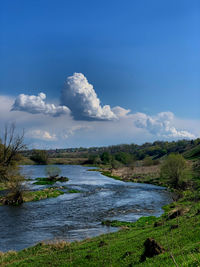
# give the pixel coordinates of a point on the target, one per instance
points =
(52, 171)
(148, 161)
(40, 157)
(174, 169)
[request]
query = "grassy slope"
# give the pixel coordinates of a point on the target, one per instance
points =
(192, 153)
(122, 248)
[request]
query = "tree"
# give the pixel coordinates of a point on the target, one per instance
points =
(106, 158)
(40, 157)
(10, 146)
(124, 158)
(174, 169)
(52, 171)
(147, 161)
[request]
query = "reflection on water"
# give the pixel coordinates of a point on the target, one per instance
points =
(77, 216)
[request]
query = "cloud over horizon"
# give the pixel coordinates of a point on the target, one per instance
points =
(36, 104)
(79, 95)
(41, 135)
(85, 120)
(161, 125)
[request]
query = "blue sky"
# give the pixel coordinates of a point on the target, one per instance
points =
(140, 55)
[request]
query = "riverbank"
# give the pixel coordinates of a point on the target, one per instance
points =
(142, 174)
(176, 231)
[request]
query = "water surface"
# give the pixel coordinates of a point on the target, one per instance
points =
(77, 216)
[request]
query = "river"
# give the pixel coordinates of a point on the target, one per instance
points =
(77, 216)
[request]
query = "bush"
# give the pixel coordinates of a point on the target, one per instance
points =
(40, 157)
(94, 159)
(52, 171)
(174, 170)
(148, 161)
(124, 158)
(10, 176)
(106, 158)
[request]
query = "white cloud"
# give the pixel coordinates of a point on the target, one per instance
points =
(36, 104)
(81, 98)
(120, 112)
(42, 135)
(161, 125)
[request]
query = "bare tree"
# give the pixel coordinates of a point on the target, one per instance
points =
(10, 146)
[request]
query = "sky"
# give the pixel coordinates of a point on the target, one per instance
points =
(94, 73)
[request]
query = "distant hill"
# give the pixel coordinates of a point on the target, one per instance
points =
(190, 149)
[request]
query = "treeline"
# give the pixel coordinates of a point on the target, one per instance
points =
(123, 154)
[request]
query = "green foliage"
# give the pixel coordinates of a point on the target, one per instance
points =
(174, 169)
(94, 160)
(116, 164)
(193, 153)
(148, 161)
(124, 158)
(40, 157)
(106, 158)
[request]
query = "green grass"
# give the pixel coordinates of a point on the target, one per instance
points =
(139, 223)
(41, 194)
(48, 181)
(123, 248)
(72, 191)
(108, 174)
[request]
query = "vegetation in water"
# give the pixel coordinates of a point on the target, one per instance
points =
(53, 176)
(42, 194)
(48, 181)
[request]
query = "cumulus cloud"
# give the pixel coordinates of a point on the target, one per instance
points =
(120, 112)
(80, 96)
(36, 104)
(160, 125)
(42, 135)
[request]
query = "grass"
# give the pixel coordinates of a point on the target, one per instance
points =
(48, 181)
(106, 173)
(41, 194)
(125, 247)
(141, 222)
(72, 191)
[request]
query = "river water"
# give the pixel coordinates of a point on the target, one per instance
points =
(77, 216)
